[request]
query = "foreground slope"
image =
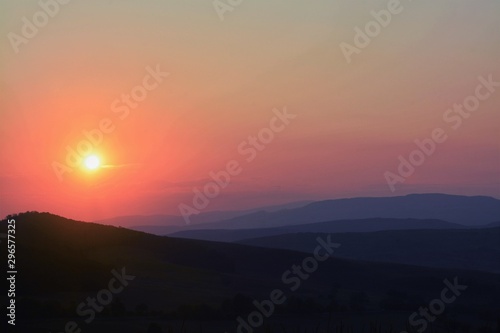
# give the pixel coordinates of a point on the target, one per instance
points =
(62, 262)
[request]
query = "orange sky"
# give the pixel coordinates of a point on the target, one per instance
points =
(225, 78)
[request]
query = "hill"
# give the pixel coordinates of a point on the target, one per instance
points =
(365, 225)
(468, 211)
(63, 262)
(474, 249)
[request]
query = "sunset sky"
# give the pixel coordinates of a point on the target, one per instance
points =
(225, 78)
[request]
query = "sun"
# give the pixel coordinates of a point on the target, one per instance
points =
(92, 162)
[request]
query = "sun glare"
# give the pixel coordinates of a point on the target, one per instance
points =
(92, 162)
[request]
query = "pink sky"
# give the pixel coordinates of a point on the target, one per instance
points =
(225, 78)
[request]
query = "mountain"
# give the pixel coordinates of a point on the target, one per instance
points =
(171, 223)
(62, 263)
(473, 249)
(469, 211)
(366, 225)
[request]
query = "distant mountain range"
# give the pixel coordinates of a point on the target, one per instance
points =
(464, 210)
(474, 249)
(469, 211)
(365, 225)
(174, 222)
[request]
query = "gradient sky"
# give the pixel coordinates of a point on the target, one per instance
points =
(353, 120)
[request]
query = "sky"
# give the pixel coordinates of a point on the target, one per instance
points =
(218, 75)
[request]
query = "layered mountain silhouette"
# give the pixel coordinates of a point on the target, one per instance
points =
(464, 210)
(469, 211)
(184, 281)
(474, 249)
(364, 225)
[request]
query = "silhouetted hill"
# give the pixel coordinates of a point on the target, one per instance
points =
(62, 262)
(366, 225)
(475, 249)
